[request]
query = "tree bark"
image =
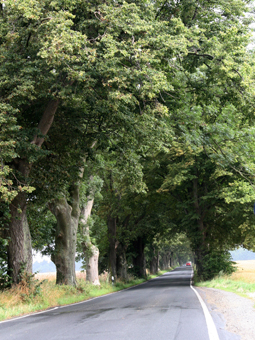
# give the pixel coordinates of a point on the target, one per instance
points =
(92, 265)
(46, 121)
(153, 265)
(165, 261)
(171, 259)
(19, 248)
(154, 262)
(91, 252)
(122, 263)
(66, 235)
(112, 228)
(139, 260)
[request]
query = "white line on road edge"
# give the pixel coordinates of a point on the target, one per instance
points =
(212, 331)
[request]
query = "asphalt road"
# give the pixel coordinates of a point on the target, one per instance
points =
(163, 308)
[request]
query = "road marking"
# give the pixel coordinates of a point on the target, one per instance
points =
(212, 331)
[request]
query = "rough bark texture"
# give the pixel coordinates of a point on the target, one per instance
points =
(165, 261)
(19, 248)
(66, 235)
(199, 260)
(121, 263)
(171, 259)
(154, 265)
(91, 252)
(112, 227)
(46, 121)
(92, 265)
(139, 260)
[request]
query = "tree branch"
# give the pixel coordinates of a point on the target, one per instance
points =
(46, 121)
(208, 56)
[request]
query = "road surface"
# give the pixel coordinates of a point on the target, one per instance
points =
(163, 308)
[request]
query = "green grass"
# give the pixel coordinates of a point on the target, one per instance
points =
(226, 283)
(161, 272)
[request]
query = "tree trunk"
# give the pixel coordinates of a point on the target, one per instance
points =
(165, 261)
(122, 263)
(112, 228)
(19, 248)
(171, 259)
(139, 259)
(154, 262)
(91, 252)
(153, 265)
(65, 238)
(200, 253)
(92, 265)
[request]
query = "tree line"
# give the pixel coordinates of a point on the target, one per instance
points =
(127, 133)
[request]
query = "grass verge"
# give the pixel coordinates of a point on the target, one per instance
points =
(160, 272)
(240, 282)
(33, 295)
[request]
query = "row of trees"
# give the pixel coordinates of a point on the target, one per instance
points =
(142, 111)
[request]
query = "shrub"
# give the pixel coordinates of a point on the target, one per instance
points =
(217, 263)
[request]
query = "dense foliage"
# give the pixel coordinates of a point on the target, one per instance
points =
(142, 110)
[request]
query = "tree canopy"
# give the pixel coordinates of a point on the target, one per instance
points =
(151, 100)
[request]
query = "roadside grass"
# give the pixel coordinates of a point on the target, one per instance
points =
(241, 282)
(39, 292)
(160, 272)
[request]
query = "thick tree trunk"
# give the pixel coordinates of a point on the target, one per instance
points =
(153, 265)
(171, 259)
(66, 235)
(92, 265)
(91, 252)
(199, 263)
(112, 228)
(139, 260)
(19, 248)
(122, 263)
(165, 261)
(200, 253)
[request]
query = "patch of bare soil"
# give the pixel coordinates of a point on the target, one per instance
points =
(238, 312)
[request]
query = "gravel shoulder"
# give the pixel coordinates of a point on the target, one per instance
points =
(233, 315)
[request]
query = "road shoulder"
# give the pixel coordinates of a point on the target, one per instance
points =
(233, 315)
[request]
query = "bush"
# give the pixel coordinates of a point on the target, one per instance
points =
(217, 263)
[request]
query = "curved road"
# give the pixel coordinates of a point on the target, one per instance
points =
(163, 308)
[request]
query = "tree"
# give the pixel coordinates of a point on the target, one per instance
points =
(37, 73)
(120, 74)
